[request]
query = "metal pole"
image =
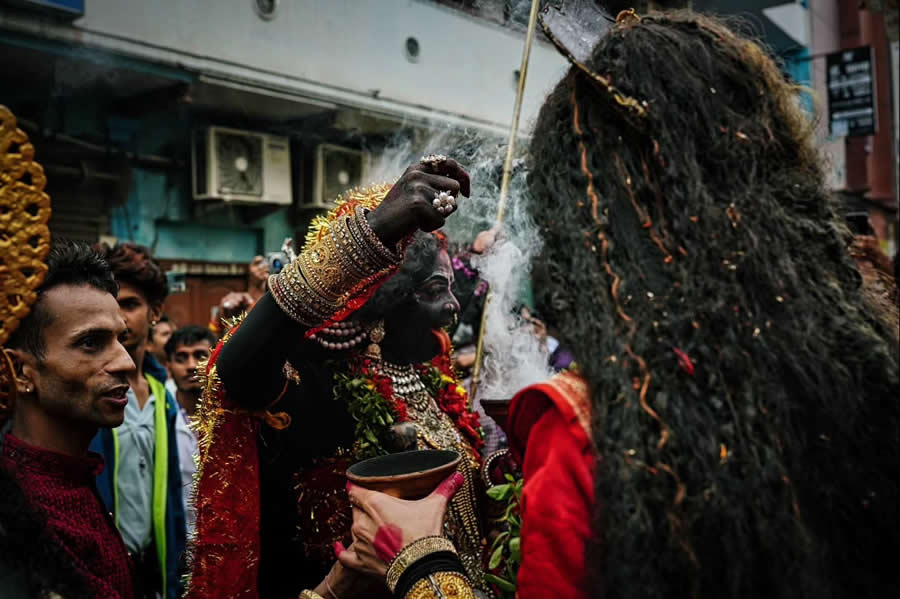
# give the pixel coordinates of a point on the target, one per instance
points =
(504, 183)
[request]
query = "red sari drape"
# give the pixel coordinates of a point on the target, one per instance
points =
(549, 427)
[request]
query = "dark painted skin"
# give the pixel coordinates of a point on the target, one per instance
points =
(408, 329)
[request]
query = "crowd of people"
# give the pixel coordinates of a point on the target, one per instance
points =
(723, 421)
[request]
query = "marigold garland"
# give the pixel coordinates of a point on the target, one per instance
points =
(374, 407)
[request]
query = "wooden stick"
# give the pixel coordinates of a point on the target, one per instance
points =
(504, 183)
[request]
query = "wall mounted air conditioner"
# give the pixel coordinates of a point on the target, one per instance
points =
(241, 166)
(337, 169)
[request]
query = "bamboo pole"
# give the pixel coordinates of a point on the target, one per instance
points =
(504, 182)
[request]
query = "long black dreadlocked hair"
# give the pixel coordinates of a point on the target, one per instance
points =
(744, 393)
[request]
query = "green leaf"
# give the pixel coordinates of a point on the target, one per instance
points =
(500, 538)
(515, 549)
(509, 477)
(500, 492)
(496, 556)
(503, 584)
(370, 436)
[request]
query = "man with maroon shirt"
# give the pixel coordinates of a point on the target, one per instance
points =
(71, 380)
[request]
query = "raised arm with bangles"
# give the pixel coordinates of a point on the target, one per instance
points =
(342, 359)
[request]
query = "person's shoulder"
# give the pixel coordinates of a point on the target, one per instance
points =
(566, 392)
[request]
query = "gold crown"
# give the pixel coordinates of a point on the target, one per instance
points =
(24, 239)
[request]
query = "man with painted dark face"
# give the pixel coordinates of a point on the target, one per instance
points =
(72, 379)
(142, 485)
(187, 348)
(343, 359)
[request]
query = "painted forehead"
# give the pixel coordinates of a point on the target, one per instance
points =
(442, 268)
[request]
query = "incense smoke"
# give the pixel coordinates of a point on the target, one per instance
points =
(514, 356)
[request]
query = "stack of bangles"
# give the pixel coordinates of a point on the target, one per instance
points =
(348, 259)
(428, 568)
(425, 569)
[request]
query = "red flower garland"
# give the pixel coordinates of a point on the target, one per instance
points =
(452, 398)
(384, 386)
(441, 381)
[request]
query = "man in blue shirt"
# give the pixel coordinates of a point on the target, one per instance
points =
(141, 483)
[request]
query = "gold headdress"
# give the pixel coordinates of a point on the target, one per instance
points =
(24, 240)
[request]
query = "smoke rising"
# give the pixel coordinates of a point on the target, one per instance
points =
(514, 356)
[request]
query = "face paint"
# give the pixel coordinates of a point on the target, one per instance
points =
(435, 305)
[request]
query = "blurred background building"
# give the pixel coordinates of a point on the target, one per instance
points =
(211, 130)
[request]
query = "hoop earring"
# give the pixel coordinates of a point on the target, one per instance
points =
(376, 336)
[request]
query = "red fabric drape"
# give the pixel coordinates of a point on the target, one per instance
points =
(549, 424)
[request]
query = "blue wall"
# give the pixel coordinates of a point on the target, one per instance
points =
(159, 210)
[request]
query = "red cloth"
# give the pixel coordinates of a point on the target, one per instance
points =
(558, 493)
(62, 488)
(226, 547)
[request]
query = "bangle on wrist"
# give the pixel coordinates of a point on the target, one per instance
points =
(413, 553)
(336, 268)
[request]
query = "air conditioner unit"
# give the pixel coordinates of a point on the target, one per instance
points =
(241, 166)
(337, 170)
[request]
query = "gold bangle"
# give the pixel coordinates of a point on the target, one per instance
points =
(370, 239)
(442, 585)
(307, 594)
(413, 553)
(332, 271)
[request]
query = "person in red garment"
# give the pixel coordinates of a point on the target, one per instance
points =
(71, 375)
(731, 430)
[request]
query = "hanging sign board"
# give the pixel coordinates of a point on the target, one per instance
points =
(851, 92)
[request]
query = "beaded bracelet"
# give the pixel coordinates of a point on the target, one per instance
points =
(413, 553)
(373, 243)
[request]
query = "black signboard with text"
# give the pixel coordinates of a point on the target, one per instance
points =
(851, 92)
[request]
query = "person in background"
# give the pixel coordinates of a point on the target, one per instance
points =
(560, 357)
(186, 349)
(236, 303)
(471, 291)
(877, 272)
(159, 334)
(142, 484)
(56, 536)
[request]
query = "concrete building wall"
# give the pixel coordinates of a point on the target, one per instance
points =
(352, 52)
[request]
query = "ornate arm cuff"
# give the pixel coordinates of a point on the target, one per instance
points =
(414, 552)
(441, 585)
(345, 264)
(309, 595)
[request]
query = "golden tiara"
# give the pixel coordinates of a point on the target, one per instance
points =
(24, 240)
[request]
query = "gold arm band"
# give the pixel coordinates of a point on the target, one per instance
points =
(344, 262)
(442, 585)
(413, 553)
(307, 594)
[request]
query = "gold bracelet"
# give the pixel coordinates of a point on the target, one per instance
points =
(332, 271)
(442, 585)
(413, 553)
(371, 241)
(307, 594)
